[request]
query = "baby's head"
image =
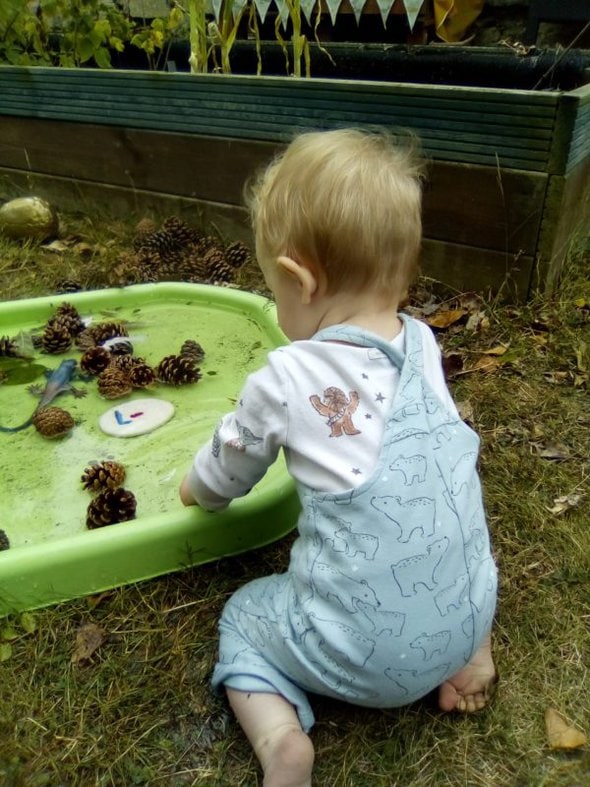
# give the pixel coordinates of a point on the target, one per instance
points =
(347, 202)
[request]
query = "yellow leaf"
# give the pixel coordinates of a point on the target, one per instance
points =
(500, 349)
(444, 319)
(561, 734)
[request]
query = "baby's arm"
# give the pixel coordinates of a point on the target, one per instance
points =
(245, 443)
(193, 492)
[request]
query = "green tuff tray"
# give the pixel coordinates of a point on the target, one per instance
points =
(53, 556)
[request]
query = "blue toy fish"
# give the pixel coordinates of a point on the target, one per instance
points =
(58, 382)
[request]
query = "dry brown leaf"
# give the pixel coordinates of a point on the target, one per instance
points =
(557, 452)
(500, 349)
(565, 503)
(465, 410)
(560, 733)
(88, 639)
(487, 363)
(444, 319)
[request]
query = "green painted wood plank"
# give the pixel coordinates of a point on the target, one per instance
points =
(466, 124)
(186, 101)
(279, 86)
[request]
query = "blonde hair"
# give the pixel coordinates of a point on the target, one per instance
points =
(348, 201)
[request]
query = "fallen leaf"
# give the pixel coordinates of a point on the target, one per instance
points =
(444, 319)
(484, 364)
(582, 303)
(88, 639)
(556, 377)
(56, 247)
(478, 321)
(5, 651)
(465, 410)
(560, 733)
(565, 503)
(500, 349)
(554, 451)
(28, 622)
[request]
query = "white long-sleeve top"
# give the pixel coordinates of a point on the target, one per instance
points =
(323, 403)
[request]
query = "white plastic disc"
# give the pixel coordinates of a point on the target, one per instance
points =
(139, 416)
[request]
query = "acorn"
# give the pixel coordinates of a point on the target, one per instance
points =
(141, 375)
(4, 542)
(56, 338)
(176, 370)
(113, 383)
(103, 475)
(110, 507)
(53, 422)
(193, 350)
(95, 360)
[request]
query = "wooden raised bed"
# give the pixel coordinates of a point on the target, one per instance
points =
(508, 175)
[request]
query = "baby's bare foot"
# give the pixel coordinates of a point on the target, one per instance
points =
(288, 760)
(470, 689)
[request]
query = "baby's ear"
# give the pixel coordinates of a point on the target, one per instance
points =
(303, 275)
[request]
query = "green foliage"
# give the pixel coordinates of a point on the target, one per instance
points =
(155, 39)
(62, 33)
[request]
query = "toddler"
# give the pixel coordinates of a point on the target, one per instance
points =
(391, 586)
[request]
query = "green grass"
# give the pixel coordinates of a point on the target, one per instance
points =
(141, 711)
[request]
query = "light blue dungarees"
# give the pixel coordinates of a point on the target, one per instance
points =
(392, 586)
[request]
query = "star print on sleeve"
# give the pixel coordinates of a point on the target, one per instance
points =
(379, 397)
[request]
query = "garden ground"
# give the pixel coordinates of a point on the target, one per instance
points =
(139, 710)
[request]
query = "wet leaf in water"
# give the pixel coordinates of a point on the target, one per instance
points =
(17, 372)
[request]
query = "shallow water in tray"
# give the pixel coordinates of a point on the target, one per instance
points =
(41, 495)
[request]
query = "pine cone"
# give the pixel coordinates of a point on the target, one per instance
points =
(103, 331)
(206, 243)
(103, 475)
(126, 362)
(95, 360)
(53, 422)
(194, 267)
(193, 350)
(143, 228)
(111, 506)
(114, 383)
(141, 375)
(217, 268)
(181, 231)
(176, 370)
(4, 542)
(56, 339)
(66, 286)
(237, 254)
(68, 315)
(162, 242)
(8, 348)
